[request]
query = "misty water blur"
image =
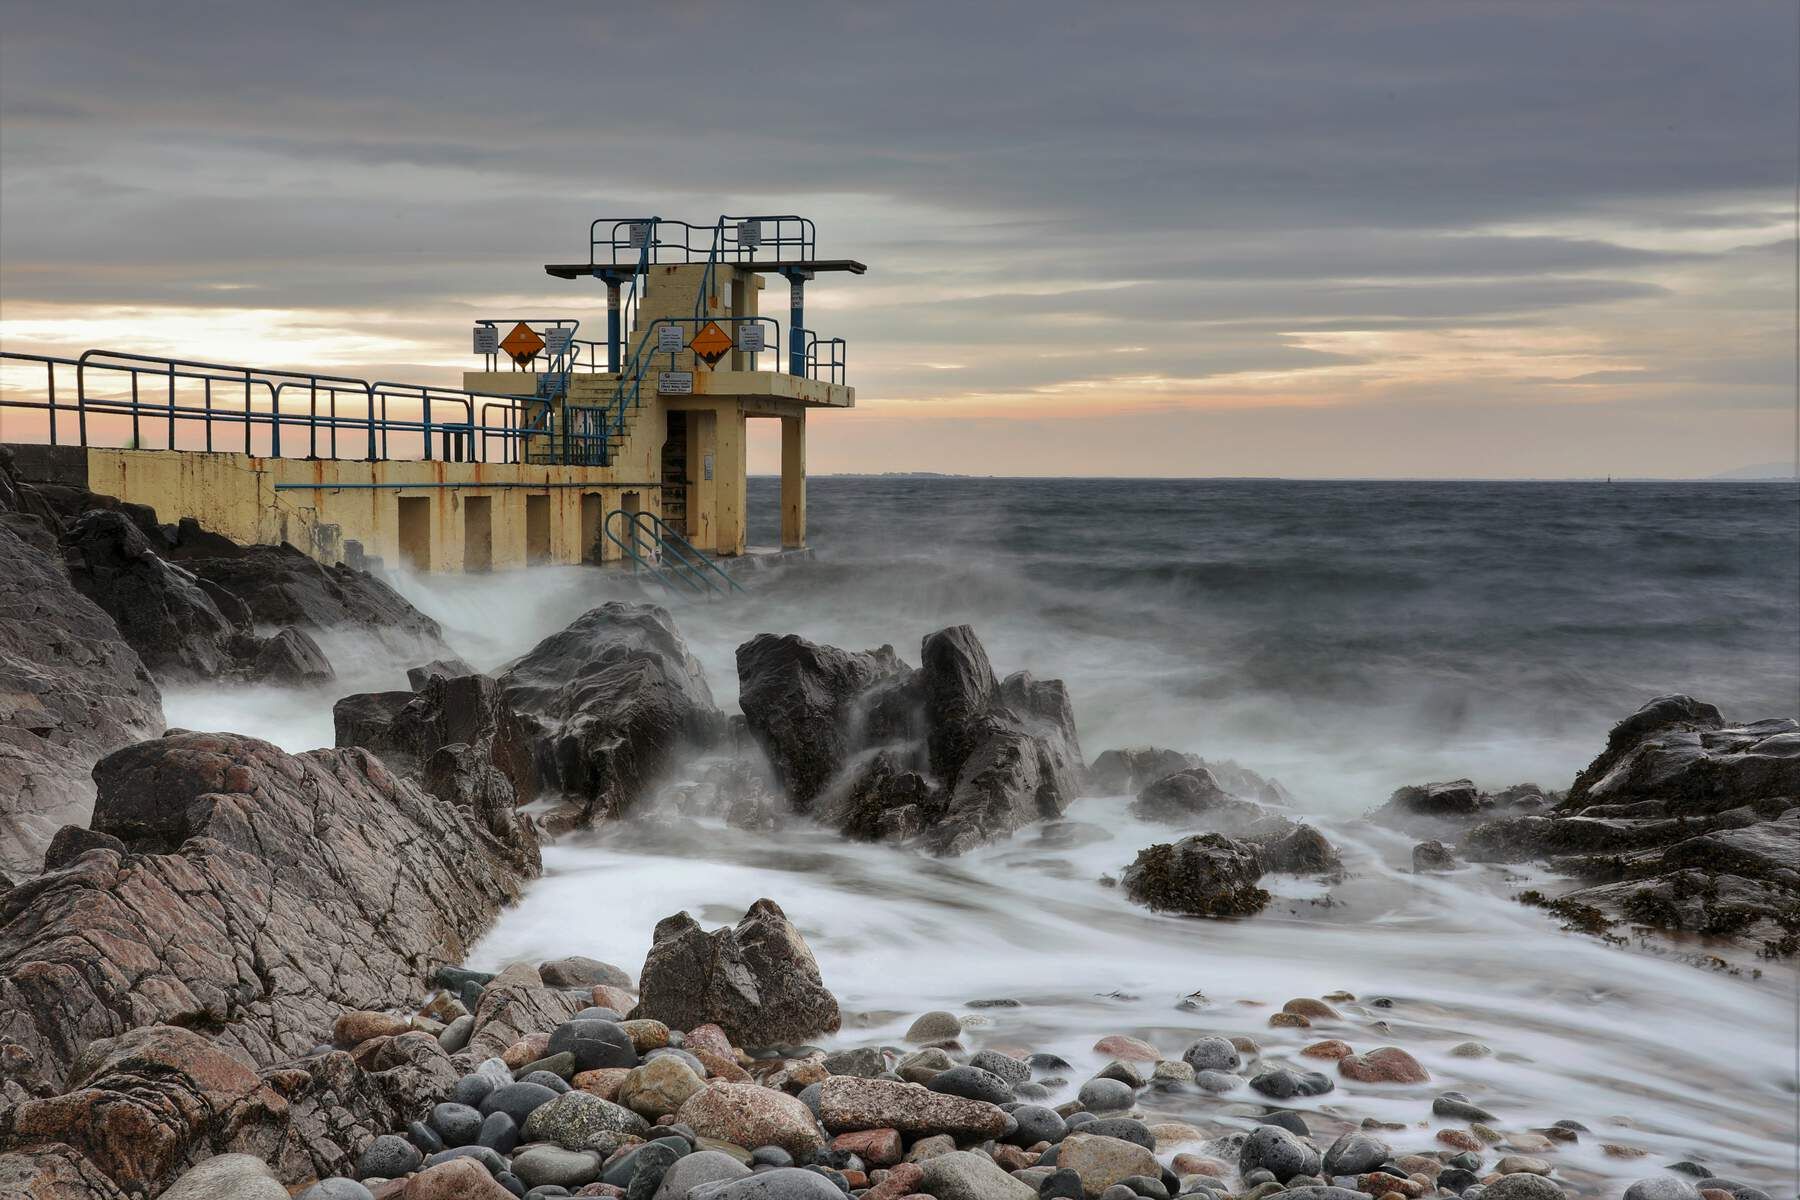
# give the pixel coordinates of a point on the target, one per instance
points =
(1346, 638)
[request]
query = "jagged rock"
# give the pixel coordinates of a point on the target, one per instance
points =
(1207, 875)
(757, 981)
(610, 702)
(143, 1107)
(71, 689)
(449, 667)
(288, 657)
(884, 801)
(947, 754)
(849, 1103)
(1192, 797)
(458, 736)
(798, 701)
(1134, 768)
(1433, 856)
(281, 585)
(1678, 753)
(514, 1004)
(159, 608)
(1303, 850)
(1443, 810)
(263, 894)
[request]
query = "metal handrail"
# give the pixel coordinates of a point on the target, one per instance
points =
(461, 429)
(830, 360)
(628, 389)
(687, 552)
(630, 548)
(773, 230)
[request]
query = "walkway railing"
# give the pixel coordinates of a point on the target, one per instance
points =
(731, 239)
(676, 563)
(134, 401)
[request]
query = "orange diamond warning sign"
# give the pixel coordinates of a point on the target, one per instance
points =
(522, 343)
(711, 343)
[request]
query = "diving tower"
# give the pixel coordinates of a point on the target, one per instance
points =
(570, 441)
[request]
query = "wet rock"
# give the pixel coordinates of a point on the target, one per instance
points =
(456, 734)
(961, 1175)
(1432, 856)
(610, 701)
(1387, 1064)
(458, 1179)
(1523, 1187)
(746, 1114)
(1213, 1054)
(659, 1087)
(971, 1083)
(282, 586)
(1102, 1161)
(799, 701)
(848, 1104)
(159, 608)
(579, 971)
(228, 1177)
(946, 755)
(73, 690)
(1192, 797)
(450, 666)
(1206, 875)
(1131, 770)
(692, 1170)
(1281, 1153)
(1302, 850)
(595, 1044)
(758, 981)
(1355, 1154)
(262, 866)
(1283, 1083)
(782, 1183)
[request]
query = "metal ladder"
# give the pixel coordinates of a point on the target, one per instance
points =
(676, 563)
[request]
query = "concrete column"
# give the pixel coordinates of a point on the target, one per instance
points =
(793, 482)
(703, 447)
(731, 472)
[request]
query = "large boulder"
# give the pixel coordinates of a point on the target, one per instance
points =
(459, 738)
(71, 689)
(184, 628)
(261, 894)
(611, 702)
(758, 981)
(1683, 821)
(1445, 809)
(948, 755)
(282, 585)
(141, 1107)
(1207, 875)
(798, 701)
(160, 608)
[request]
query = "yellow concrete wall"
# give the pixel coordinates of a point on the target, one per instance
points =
(235, 494)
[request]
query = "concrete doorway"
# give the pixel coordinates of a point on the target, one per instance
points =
(415, 532)
(478, 533)
(537, 530)
(593, 508)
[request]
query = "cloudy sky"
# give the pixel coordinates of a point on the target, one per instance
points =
(1436, 238)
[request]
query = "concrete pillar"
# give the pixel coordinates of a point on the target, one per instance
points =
(732, 472)
(703, 495)
(793, 482)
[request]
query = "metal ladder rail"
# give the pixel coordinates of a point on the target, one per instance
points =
(667, 579)
(689, 555)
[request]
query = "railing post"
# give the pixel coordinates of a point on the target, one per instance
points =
(425, 410)
(137, 434)
(171, 406)
(208, 421)
(274, 422)
(796, 322)
(50, 370)
(615, 325)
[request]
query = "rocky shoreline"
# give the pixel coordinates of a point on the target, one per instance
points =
(226, 970)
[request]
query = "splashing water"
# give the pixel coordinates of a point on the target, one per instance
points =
(1344, 638)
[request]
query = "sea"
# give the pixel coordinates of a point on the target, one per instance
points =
(1345, 638)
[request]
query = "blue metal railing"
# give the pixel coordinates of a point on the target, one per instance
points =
(182, 394)
(733, 239)
(628, 391)
(675, 563)
(824, 356)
